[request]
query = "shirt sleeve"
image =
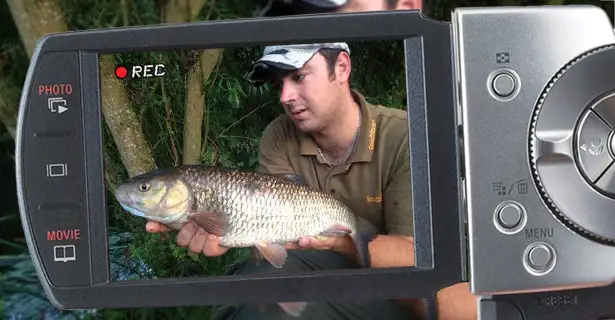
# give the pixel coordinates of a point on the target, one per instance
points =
(273, 149)
(397, 196)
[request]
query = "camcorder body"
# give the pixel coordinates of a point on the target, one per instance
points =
(510, 121)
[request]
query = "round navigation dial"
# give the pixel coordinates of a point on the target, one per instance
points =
(572, 145)
(594, 146)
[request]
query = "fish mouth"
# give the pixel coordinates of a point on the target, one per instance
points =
(121, 195)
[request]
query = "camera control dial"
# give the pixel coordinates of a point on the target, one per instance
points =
(572, 145)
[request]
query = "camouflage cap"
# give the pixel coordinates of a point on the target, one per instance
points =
(288, 57)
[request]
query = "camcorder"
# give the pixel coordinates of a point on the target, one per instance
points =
(511, 117)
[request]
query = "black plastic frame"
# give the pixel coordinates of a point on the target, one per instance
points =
(440, 248)
(587, 303)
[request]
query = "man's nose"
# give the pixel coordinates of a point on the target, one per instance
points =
(288, 92)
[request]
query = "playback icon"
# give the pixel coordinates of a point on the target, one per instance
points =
(57, 105)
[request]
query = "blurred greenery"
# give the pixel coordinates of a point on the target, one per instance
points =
(235, 115)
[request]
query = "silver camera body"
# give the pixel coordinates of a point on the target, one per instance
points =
(536, 90)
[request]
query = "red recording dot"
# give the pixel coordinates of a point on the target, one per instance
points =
(121, 72)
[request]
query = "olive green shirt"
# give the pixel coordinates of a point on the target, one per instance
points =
(375, 183)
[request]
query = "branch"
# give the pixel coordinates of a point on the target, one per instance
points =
(9, 100)
(197, 76)
(186, 11)
(176, 11)
(123, 122)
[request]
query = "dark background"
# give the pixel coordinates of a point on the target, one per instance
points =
(224, 142)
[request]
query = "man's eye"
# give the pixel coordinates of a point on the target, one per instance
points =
(298, 77)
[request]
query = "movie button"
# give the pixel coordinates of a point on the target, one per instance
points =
(66, 253)
(504, 84)
(510, 217)
(593, 141)
(539, 258)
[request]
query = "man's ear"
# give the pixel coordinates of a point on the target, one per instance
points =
(343, 67)
(409, 4)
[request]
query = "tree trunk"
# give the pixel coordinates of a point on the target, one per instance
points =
(121, 119)
(195, 103)
(186, 11)
(9, 102)
(33, 19)
(36, 18)
(123, 122)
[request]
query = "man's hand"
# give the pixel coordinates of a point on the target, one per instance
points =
(342, 245)
(311, 243)
(193, 237)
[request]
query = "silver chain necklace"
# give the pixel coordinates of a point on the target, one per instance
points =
(348, 153)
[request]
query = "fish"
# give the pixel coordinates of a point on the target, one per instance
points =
(245, 209)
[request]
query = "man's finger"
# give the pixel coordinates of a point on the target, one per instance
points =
(305, 242)
(184, 236)
(291, 246)
(155, 227)
(198, 241)
(211, 247)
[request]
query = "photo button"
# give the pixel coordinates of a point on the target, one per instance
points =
(54, 102)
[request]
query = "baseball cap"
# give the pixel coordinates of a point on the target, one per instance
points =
(326, 3)
(288, 58)
(288, 7)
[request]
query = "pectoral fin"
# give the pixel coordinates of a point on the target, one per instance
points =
(274, 253)
(211, 222)
(336, 231)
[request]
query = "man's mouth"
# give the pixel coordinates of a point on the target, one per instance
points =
(297, 111)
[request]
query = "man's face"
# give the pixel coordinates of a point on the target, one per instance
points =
(311, 95)
(379, 5)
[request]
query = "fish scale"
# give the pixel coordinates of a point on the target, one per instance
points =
(263, 207)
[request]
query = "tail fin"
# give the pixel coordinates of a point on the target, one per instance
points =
(366, 232)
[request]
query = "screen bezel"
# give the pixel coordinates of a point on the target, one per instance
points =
(439, 237)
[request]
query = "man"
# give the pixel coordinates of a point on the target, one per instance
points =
(338, 142)
(292, 7)
(455, 302)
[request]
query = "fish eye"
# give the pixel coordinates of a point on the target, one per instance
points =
(143, 187)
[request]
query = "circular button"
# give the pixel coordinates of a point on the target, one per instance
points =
(539, 258)
(509, 217)
(504, 84)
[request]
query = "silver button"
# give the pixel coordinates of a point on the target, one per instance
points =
(593, 146)
(509, 217)
(539, 258)
(504, 84)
